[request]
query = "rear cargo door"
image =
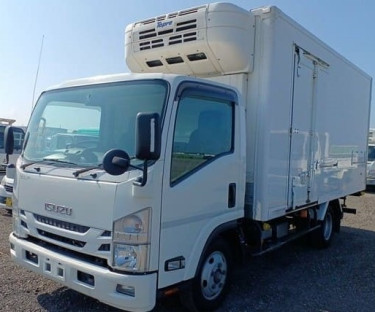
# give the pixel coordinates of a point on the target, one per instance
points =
(301, 156)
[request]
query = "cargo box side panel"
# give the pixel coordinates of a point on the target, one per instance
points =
(338, 121)
(342, 125)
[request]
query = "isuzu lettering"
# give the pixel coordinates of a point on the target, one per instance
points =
(236, 132)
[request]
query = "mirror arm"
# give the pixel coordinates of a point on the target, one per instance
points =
(141, 181)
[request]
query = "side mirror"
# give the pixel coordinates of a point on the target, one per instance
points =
(8, 141)
(148, 136)
(116, 161)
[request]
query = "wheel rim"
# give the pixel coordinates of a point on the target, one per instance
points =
(214, 275)
(327, 226)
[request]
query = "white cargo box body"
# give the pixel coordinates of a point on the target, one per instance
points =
(307, 107)
(307, 120)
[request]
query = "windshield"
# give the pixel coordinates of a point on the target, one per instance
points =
(371, 153)
(76, 126)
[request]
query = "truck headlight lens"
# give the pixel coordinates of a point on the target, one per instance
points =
(125, 255)
(131, 242)
(131, 258)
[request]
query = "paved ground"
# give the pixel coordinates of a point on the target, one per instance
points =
(295, 278)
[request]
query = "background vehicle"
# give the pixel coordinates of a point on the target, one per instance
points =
(188, 175)
(18, 141)
(371, 159)
(6, 188)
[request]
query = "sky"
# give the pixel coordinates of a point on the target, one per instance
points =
(86, 38)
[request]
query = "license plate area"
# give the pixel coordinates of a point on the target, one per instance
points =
(49, 266)
(54, 268)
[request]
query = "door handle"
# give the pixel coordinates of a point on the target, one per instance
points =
(232, 195)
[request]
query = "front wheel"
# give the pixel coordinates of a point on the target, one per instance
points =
(210, 284)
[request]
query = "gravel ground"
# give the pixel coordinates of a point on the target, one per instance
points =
(293, 278)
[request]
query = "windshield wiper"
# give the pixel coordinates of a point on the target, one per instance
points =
(78, 172)
(24, 166)
(59, 161)
(45, 160)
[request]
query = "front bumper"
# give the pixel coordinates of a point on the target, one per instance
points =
(91, 280)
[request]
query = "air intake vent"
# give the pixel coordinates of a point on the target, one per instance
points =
(186, 25)
(61, 224)
(177, 35)
(8, 188)
(170, 15)
(62, 239)
(106, 234)
(105, 247)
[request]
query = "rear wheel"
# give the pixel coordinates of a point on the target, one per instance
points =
(322, 237)
(210, 284)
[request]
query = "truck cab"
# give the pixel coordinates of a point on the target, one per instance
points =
(120, 189)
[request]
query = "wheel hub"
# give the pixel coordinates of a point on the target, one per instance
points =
(214, 275)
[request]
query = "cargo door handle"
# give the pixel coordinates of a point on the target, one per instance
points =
(232, 195)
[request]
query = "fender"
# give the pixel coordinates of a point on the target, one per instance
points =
(336, 206)
(203, 243)
(321, 211)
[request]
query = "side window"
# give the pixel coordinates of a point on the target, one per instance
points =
(203, 131)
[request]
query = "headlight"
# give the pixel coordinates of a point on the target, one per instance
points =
(131, 242)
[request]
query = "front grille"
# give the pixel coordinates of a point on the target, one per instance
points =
(105, 247)
(62, 239)
(61, 224)
(8, 188)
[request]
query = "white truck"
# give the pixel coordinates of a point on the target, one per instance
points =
(6, 188)
(236, 132)
(19, 134)
(371, 159)
(7, 161)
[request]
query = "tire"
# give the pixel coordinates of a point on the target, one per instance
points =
(322, 237)
(210, 284)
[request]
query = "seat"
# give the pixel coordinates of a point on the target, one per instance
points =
(209, 137)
